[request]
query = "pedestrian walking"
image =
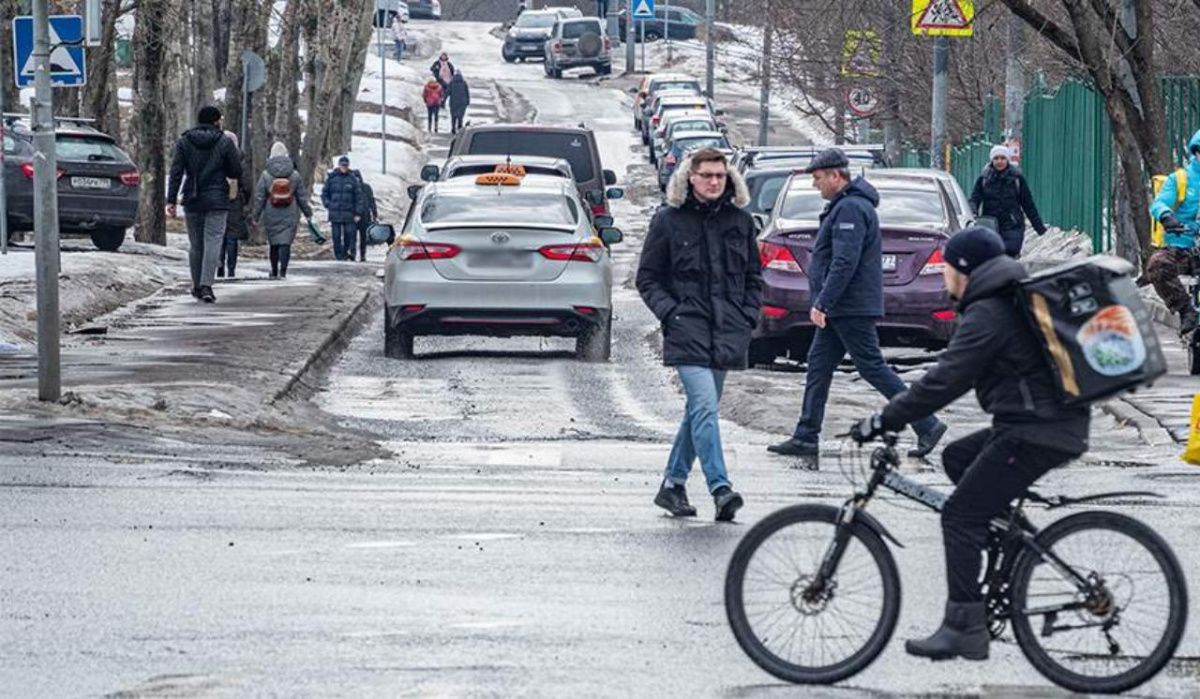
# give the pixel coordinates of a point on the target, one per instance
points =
(700, 276)
(279, 200)
(433, 94)
(237, 225)
(399, 36)
(1179, 218)
(443, 72)
(995, 352)
(460, 99)
(368, 213)
(1002, 193)
(203, 163)
(341, 196)
(846, 282)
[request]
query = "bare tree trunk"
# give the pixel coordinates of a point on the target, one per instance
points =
(8, 9)
(285, 125)
(341, 131)
(1014, 80)
(100, 95)
(204, 79)
(222, 28)
(149, 108)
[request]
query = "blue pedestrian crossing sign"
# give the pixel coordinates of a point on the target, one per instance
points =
(68, 67)
(643, 9)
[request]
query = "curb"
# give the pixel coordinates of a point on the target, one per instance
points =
(329, 350)
(1149, 429)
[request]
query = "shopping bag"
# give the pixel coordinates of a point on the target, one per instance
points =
(1192, 455)
(315, 232)
(380, 233)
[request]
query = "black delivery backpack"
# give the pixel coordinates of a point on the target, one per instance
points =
(1097, 334)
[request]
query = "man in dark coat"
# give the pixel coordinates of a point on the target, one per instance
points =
(202, 166)
(846, 283)
(460, 99)
(341, 197)
(701, 277)
(994, 352)
(368, 213)
(1002, 193)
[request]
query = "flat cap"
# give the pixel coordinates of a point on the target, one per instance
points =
(830, 159)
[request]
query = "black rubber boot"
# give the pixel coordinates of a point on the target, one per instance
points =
(963, 634)
(1187, 321)
(674, 500)
(727, 503)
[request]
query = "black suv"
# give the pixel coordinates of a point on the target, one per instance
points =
(98, 184)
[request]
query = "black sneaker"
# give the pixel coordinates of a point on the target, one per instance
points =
(1187, 321)
(220, 272)
(795, 447)
(927, 442)
(727, 503)
(674, 500)
(206, 294)
(195, 292)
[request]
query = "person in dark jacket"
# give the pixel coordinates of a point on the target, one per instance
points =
(237, 226)
(994, 352)
(1002, 193)
(202, 166)
(460, 99)
(845, 276)
(341, 197)
(368, 213)
(700, 275)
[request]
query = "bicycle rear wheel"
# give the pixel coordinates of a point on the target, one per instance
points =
(1125, 627)
(791, 626)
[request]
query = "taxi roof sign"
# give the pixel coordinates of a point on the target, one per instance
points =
(498, 179)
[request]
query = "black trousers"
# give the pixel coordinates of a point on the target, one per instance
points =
(990, 469)
(432, 114)
(363, 225)
(281, 255)
(229, 255)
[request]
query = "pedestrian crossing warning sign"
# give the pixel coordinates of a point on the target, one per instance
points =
(943, 17)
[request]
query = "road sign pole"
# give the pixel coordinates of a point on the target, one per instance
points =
(711, 49)
(3, 193)
(630, 56)
(764, 104)
(667, 30)
(383, 144)
(642, 29)
(941, 64)
(45, 211)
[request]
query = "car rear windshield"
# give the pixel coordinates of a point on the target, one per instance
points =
(500, 204)
(897, 207)
(532, 21)
(84, 149)
(764, 190)
(575, 148)
(687, 144)
(698, 125)
(574, 30)
(678, 85)
(464, 170)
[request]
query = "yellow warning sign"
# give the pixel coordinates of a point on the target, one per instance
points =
(860, 53)
(943, 17)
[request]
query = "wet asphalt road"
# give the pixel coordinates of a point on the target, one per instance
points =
(509, 548)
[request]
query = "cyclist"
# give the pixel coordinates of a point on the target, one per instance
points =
(1168, 263)
(996, 353)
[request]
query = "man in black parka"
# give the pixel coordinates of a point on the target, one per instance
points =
(701, 277)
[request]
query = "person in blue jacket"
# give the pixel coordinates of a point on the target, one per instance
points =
(846, 286)
(341, 197)
(1174, 259)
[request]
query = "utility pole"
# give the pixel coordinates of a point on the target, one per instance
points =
(3, 194)
(1014, 80)
(630, 56)
(711, 48)
(764, 100)
(941, 67)
(667, 29)
(45, 211)
(383, 143)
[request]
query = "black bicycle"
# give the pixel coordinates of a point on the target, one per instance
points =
(1097, 600)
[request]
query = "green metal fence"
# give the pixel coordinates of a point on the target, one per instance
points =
(1181, 100)
(914, 157)
(968, 159)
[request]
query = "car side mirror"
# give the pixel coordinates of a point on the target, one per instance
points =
(430, 173)
(414, 191)
(594, 197)
(633, 90)
(614, 193)
(722, 126)
(718, 112)
(601, 221)
(611, 236)
(610, 177)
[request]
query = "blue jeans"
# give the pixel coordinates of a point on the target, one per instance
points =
(857, 336)
(399, 50)
(344, 235)
(700, 433)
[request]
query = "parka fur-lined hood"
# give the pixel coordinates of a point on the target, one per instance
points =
(677, 188)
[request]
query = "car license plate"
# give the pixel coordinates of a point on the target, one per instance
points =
(91, 182)
(889, 263)
(507, 260)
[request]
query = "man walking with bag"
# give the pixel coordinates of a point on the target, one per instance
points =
(204, 162)
(846, 283)
(341, 195)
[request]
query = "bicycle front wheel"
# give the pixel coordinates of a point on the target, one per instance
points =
(1116, 630)
(796, 627)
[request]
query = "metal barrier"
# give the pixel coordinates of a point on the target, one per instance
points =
(969, 159)
(1181, 100)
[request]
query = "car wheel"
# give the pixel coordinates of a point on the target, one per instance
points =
(595, 344)
(108, 239)
(604, 69)
(397, 344)
(508, 57)
(653, 36)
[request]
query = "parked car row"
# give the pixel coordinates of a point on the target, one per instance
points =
(510, 237)
(675, 117)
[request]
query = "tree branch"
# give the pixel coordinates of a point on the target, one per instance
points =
(1046, 27)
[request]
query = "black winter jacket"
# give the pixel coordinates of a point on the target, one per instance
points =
(995, 352)
(1006, 196)
(367, 208)
(237, 225)
(846, 271)
(701, 277)
(460, 96)
(341, 196)
(204, 159)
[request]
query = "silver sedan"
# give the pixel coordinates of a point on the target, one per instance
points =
(500, 255)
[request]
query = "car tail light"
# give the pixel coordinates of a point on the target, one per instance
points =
(416, 250)
(774, 312)
(556, 47)
(131, 179)
(936, 264)
(27, 170)
(600, 209)
(655, 119)
(586, 252)
(944, 315)
(607, 43)
(670, 159)
(778, 258)
(585, 310)
(415, 308)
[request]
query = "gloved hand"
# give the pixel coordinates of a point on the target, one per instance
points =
(1040, 231)
(1171, 223)
(867, 429)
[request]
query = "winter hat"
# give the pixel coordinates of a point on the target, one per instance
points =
(971, 247)
(1000, 151)
(209, 115)
(831, 159)
(279, 149)
(343, 160)
(232, 137)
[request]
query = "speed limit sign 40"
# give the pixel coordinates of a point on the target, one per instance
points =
(862, 102)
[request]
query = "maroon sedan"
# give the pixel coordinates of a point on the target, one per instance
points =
(918, 211)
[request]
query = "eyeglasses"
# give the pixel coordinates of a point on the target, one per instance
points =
(710, 175)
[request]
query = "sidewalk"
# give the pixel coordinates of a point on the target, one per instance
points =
(1169, 402)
